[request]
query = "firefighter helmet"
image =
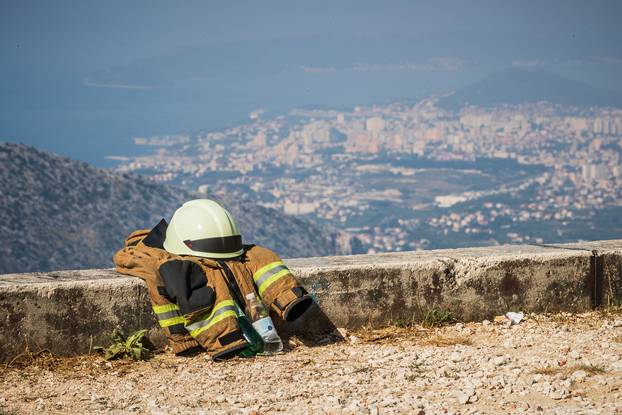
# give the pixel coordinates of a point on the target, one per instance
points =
(203, 228)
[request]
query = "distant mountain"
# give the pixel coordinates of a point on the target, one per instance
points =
(517, 86)
(57, 213)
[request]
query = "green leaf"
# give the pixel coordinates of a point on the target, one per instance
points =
(135, 339)
(136, 353)
(123, 347)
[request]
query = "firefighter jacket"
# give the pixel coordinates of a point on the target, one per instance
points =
(196, 299)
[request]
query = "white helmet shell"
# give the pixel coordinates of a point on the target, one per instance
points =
(202, 227)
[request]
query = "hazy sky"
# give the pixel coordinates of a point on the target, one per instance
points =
(92, 34)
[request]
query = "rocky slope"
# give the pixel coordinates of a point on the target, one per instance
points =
(57, 213)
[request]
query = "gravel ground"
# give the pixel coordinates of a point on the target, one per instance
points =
(560, 364)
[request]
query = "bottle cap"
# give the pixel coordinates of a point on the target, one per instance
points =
(250, 296)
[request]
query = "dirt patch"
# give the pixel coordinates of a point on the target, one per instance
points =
(564, 364)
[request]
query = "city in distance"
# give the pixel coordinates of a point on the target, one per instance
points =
(414, 175)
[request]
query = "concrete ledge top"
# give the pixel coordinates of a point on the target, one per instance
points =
(389, 260)
(53, 277)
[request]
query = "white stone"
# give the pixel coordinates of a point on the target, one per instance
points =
(354, 339)
(579, 375)
(508, 344)
(456, 357)
(464, 395)
(501, 360)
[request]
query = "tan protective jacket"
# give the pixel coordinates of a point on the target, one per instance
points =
(195, 298)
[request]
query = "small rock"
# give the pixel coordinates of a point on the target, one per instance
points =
(579, 375)
(463, 396)
(456, 357)
(500, 360)
(39, 404)
(616, 366)
(354, 340)
(442, 372)
(557, 394)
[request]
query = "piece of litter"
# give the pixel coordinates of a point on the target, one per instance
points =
(514, 318)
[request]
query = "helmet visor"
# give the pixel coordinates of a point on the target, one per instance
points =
(218, 245)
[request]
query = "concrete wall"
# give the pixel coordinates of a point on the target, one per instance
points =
(68, 311)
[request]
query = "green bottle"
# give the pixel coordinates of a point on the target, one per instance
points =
(255, 344)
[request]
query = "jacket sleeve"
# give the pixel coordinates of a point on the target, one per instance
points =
(276, 285)
(138, 260)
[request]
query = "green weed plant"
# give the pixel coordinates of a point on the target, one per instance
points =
(123, 348)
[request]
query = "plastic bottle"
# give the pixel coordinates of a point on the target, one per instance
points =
(263, 324)
(255, 342)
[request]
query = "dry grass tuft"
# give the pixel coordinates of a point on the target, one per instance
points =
(390, 333)
(416, 334)
(446, 340)
(69, 367)
(551, 370)
(590, 369)
(29, 358)
(610, 311)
